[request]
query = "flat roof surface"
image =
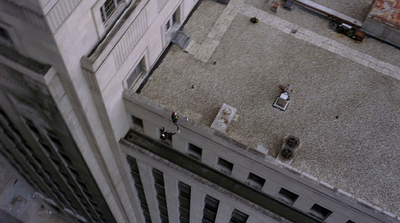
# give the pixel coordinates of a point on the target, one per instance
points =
(386, 11)
(357, 9)
(345, 101)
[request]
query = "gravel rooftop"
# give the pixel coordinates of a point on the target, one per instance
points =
(345, 113)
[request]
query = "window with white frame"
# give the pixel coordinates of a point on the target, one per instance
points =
(108, 8)
(171, 21)
(139, 69)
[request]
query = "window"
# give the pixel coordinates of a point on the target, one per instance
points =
(2, 113)
(255, 181)
(55, 161)
(139, 188)
(32, 164)
(93, 203)
(65, 157)
(33, 129)
(55, 182)
(54, 139)
(287, 196)
(73, 171)
(169, 24)
(224, 166)
(238, 217)
(22, 151)
(83, 186)
(10, 137)
(184, 202)
(160, 189)
(137, 71)
(15, 130)
(137, 123)
(108, 8)
(350, 221)
(72, 185)
(41, 175)
(210, 209)
(88, 194)
(45, 146)
(62, 192)
(194, 152)
(320, 212)
(78, 194)
(5, 37)
(15, 164)
(27, 148)
(65, 175)
(38, 162)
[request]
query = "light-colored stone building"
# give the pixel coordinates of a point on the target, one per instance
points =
(76, 131)
(64, 65)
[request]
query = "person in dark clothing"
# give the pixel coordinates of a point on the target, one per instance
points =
(175, 120)
(166, 135)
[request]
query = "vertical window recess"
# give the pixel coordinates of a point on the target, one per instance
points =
(194, 152)
(224, 166)
(255, 181)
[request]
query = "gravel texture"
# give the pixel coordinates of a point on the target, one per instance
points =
(319, 24)
(211, 12)
(345, 114)
(357, 9)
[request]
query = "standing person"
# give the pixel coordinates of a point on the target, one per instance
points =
(175, 120)
(166, 135)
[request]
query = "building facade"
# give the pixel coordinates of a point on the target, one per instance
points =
(75, 130)
(64, 66)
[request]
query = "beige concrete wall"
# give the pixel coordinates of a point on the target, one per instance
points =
(139, 37)
(73, 30)
(75, 34)
(77, 30)
(114, 64)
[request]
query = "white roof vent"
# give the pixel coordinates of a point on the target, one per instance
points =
(224, 118)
